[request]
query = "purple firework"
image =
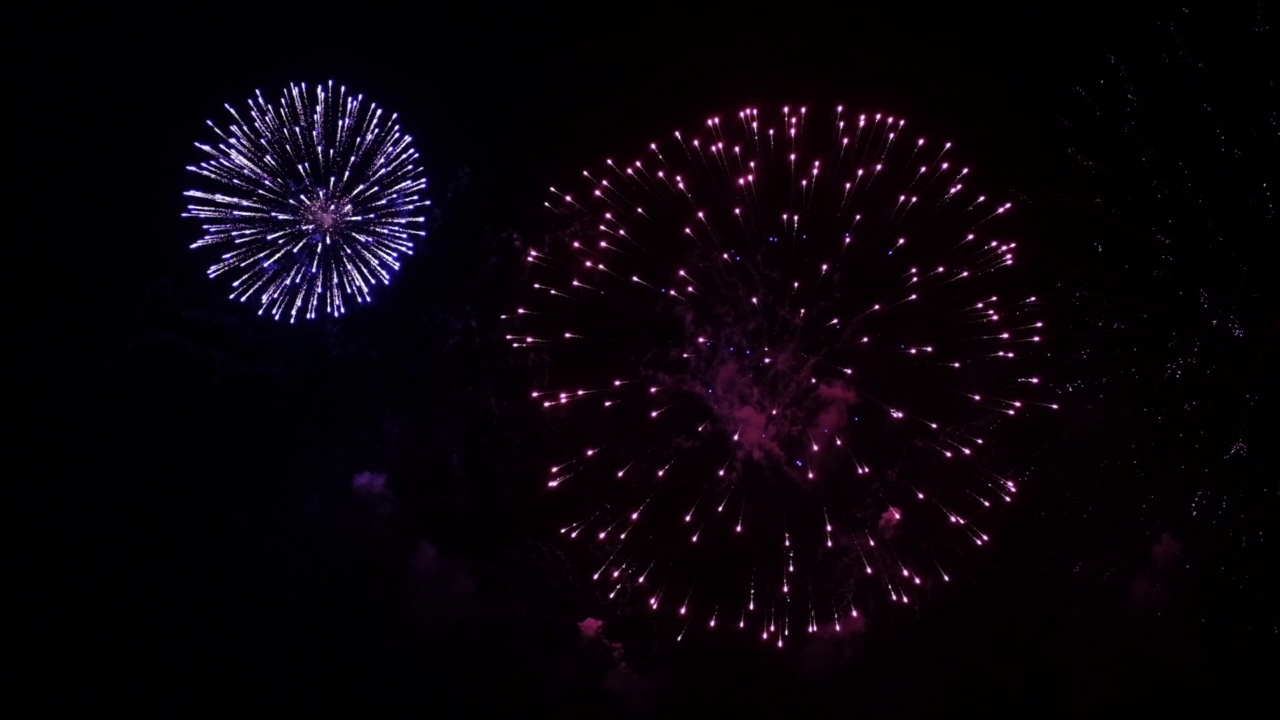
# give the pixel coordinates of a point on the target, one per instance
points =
(773, 356)
(318, 196)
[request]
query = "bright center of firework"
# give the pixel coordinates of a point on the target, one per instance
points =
(325, 214)
(766, 397)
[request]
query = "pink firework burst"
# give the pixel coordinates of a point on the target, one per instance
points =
(775, 353)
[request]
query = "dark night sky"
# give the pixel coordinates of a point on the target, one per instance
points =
(199, 545)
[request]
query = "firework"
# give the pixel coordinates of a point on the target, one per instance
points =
(318, 197)
(774, 351)
(1177, 137)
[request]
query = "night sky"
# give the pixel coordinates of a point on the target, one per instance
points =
(236, 515)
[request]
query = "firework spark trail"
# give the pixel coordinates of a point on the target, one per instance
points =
(319, 195)
(773, 363)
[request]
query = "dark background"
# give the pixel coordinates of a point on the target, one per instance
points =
(196, 544)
